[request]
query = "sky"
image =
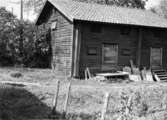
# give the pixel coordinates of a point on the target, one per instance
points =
(151, 3)
(12, 6)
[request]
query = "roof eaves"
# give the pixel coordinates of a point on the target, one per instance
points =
(119, 23)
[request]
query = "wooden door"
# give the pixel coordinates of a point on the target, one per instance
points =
(156, 58)
(109, 56)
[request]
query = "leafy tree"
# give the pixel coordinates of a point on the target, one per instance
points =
(125, 3)
(36, 49)
(36, 52)
(9, 36)
(160, 9)
(163, 8)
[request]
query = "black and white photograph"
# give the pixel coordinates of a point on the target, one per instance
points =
(83, 59)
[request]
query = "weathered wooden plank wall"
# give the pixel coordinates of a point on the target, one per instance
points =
(110, 34)
(128, 45)
(150, 39)
(62, 42)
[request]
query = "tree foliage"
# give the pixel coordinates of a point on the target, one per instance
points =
(163, 8)
(160, 9)
(125, 3)
(9, 36)
(36, 52)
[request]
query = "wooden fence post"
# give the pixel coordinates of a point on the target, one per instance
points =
(128, 106)
(67, 98)
(56, 97)
(104, 110)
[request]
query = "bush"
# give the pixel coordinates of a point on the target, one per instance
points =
(33, 51)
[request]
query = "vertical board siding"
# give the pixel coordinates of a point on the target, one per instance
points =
(149, 40)
(111, 34)
(62, 43)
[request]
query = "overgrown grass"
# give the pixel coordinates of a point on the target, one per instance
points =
(133, 101)
(148, 101)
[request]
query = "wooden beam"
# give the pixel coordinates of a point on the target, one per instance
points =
(77, 47)
(161, 57)
(139, 47)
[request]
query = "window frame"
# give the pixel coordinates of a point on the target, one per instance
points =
(111, 45)
(55, 25)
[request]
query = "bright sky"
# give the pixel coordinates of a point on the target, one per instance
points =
(12, 5)
(151, 3)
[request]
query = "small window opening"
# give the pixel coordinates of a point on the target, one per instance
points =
(54, 25)
(91, 51)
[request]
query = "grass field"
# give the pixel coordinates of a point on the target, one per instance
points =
(18, 102)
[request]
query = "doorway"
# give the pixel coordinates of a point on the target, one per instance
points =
(156, 58)
(109, 56)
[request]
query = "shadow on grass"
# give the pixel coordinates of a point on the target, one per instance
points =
(16, 103)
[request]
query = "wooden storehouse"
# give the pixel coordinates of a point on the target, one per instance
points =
(103, 37)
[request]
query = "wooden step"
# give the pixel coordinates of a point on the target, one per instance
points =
(159, 70)
(163, 81)
(163, 78)
(162, 75)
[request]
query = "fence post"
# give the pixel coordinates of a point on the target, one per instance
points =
(67, 98)
(56, 97)
(104, 110)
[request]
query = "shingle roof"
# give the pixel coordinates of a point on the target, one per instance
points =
(108, 14)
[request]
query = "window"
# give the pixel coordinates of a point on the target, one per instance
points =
(91, 51)
(125, 31)
(110, 53)
(54, 25)
(96, 29)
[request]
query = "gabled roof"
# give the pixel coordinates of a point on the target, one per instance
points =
(107, 14)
